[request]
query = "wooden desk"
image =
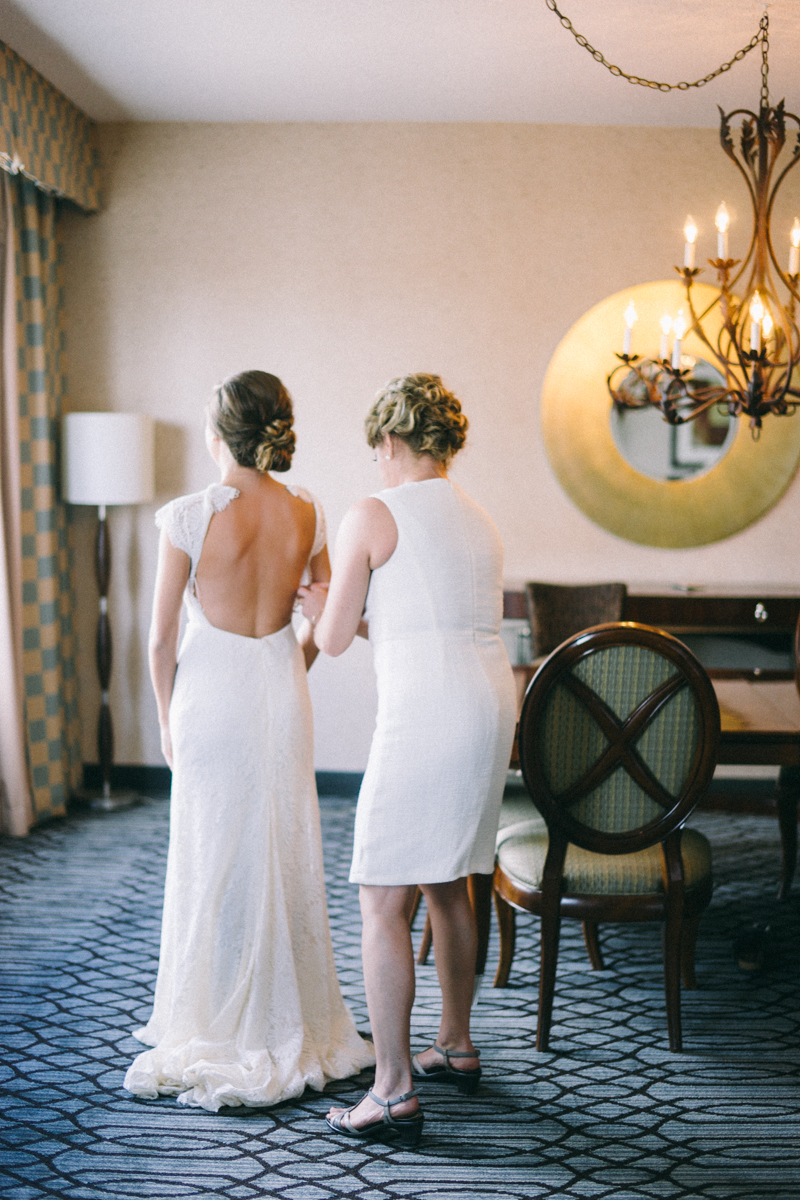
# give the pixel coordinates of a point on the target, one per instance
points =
(743, 632)
(736, 632)
(761, 725)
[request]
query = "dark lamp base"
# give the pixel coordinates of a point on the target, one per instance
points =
(100, 801)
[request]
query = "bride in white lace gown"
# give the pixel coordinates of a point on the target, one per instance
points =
(247, 1005)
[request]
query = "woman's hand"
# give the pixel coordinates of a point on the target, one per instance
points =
(166, 744)
(312, 601)
(366, 540)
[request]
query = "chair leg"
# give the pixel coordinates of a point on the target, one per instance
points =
(688, 943)
(480, 894)
(412, 916)
(426, 943)
(788, 796)
(591, 939)
(507, 921)
(672, 975)
(549, 933)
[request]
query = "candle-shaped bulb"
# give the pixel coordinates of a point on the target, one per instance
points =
(679, 325)
(766, 325)
(756, 315)
(794, 249)
(690, 234)
(666, 326)
(722, 221)
(631, 317)
(679, 329)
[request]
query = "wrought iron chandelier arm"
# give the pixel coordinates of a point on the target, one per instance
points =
(791, 162)
(725, 396)
(726, 141)
(699, 332)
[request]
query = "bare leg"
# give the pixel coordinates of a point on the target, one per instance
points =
(455, 940)
(389, 980)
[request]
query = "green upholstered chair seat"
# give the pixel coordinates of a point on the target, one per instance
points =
(522, 849)
(518, 808)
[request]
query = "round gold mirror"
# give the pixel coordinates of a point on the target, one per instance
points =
(633, 474)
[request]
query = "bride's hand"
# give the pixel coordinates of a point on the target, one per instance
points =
(312, 600)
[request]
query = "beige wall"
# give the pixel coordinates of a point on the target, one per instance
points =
(338, 256)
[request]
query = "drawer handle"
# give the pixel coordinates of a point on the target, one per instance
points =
(760, 613)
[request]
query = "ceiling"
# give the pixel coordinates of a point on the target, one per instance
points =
(400, 60)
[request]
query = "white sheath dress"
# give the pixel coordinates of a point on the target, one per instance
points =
(247, 1006)
(430, 800)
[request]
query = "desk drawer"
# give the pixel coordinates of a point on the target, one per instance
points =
(728, 614)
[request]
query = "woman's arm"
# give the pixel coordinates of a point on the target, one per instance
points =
(320, 571)
(366, 540)
(171, 578)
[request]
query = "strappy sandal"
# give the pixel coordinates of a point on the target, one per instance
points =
(466, 1081)
(405, 1130)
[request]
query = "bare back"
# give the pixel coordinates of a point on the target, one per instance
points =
(253, 558)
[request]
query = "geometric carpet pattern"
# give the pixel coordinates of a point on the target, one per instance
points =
(607, 1112)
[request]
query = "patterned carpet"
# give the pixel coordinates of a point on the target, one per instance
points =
(609, 1113)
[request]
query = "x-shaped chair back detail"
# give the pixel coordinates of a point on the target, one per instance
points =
(618, 737)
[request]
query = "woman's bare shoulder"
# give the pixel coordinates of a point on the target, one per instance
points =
(370, 525)
(369, 513)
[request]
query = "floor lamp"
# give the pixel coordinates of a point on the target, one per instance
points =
(107, 458)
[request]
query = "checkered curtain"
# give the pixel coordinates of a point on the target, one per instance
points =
(48, 641)
(44, 135)
(47, 153)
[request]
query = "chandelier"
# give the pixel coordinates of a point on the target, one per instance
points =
(757, 347)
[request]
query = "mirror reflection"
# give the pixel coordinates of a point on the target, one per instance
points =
(673, 452)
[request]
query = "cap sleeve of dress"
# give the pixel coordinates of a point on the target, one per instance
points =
(178, 518)
(186, 518)
(321, 530)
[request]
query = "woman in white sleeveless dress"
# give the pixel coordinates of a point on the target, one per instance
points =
(247, 1005)
(427, 560)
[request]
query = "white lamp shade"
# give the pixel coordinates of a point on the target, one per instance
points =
(107, 458)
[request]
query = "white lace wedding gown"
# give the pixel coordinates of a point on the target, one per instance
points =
(247, 1005)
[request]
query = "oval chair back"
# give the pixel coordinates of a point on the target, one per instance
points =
(618, 740)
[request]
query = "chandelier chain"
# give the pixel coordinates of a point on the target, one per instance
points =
(764, 31)
(762, 36)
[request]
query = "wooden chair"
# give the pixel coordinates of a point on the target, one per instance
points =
(618, 741)
(557, 611)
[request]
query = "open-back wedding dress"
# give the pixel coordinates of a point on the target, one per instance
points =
(247, 1004)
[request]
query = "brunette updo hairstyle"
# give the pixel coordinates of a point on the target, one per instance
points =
(420, 410)
(252, 413)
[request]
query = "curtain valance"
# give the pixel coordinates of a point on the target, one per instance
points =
(44, 136)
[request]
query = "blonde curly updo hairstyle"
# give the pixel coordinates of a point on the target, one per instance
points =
(420, 410)
(252, 413)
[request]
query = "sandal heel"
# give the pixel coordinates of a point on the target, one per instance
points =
(467, 1084)
(409, 1135)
